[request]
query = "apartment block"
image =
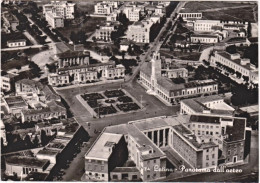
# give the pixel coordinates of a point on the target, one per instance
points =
(132, 13)
(227, 132)
(53, 20)
(61, 9)
(105, 7)
(104, 32)
(108, 152)
(139, 31)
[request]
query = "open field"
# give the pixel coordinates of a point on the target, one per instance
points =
(240, 14)
(242, 11)
(202, 6)
(181, 55)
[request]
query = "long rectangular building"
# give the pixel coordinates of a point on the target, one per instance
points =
(234, 61)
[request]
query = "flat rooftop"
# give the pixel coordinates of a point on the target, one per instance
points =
(150, 123)
(185, 133)
(250, 109)
(198, 104)
(132, 130)
(101, 148)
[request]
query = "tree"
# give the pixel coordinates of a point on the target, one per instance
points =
(123, 55)
(36, 141)
(246, 78)
(44, 138)
(249, 28)
(206, 62)
(27, 141)
(238, 74)
(94, 39)
(231, 49)
(73, 36)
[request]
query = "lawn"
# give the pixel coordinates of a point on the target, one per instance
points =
(12, 64)
(114, 93)
(181, 55)
(195, 5)
(241, 14)
(126, 107)
(105, 110)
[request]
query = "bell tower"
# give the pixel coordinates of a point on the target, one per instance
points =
(156, 68)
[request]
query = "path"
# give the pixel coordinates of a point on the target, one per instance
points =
(33, 41)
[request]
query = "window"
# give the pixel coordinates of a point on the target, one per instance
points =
(213, 162)
(90, 173)
(229, 152)
(148, 176)
(154, 161)
(213, 155)
(103, 175)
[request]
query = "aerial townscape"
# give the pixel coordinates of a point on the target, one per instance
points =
(129, 91)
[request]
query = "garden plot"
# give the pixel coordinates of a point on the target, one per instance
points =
(110, 102)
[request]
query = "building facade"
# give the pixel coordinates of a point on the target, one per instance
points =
(55, 79)
(204, 38)
(60, 9)
(139, 32)
(53, 110)
(16, 43)
(104, 32)
(234, 61)
(166, 90)
(191, 15)
(54, 20)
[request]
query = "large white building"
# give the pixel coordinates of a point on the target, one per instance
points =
(139, 31)
(167, 91)
(132, 13)
(54, 20)
(61, 9)
(234, 61)
(104, 32)
(105, 7)
(206, 25)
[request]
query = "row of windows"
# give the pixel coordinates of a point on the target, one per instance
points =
(97, 174)
(213, 164)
